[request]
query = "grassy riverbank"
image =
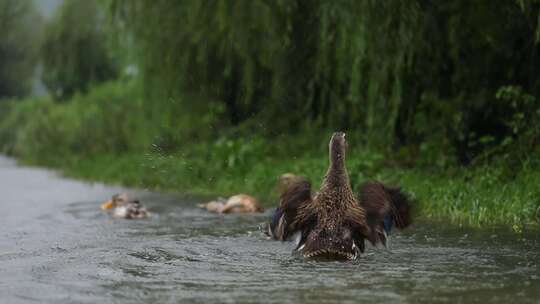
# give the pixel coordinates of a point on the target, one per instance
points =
(106, 136)
(482, 196)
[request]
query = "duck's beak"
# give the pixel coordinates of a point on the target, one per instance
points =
(107, 205)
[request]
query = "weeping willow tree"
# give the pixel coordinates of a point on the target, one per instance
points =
(74, 49)
(393, 71)
(19, 32)
(320, 62)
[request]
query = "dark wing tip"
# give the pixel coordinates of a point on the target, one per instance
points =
(402, 205)
(283, 220)
(385, 207)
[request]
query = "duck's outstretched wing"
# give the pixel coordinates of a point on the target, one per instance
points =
(283, 224)
(384, 207)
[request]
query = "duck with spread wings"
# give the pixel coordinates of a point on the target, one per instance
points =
(334, 223)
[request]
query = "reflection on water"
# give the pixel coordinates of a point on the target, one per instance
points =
(57, 246)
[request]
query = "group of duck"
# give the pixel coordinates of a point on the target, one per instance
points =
(332, 223)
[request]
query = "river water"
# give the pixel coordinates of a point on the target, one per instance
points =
(56, 246)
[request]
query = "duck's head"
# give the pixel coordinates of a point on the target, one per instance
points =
(117, 200)
(337, 148)
(286, 180)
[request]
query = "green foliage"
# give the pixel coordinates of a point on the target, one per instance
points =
(413, 74)
(483, 196)
(14, 115)
(259, 58)
(75, 51)
(107, 119)
(530, 9)
(19, 32)
(523, 122)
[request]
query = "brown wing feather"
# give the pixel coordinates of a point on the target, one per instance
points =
(305, 215)
(382, 203)
(291, 201)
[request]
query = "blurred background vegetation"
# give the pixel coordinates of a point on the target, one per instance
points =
(19, 40)
(223, 96)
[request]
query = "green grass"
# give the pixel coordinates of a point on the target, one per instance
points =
(478, 197)
(475, 197)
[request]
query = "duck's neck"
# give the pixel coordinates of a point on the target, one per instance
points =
(336, 175)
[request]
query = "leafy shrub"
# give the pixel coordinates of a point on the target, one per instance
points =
(523, 121)
(16, 115)
(108, 119)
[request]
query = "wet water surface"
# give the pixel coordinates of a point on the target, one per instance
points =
(56, 246)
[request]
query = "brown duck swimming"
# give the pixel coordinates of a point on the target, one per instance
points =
(240, 203)
(121, 206)
(243, 203)
(334, 223)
